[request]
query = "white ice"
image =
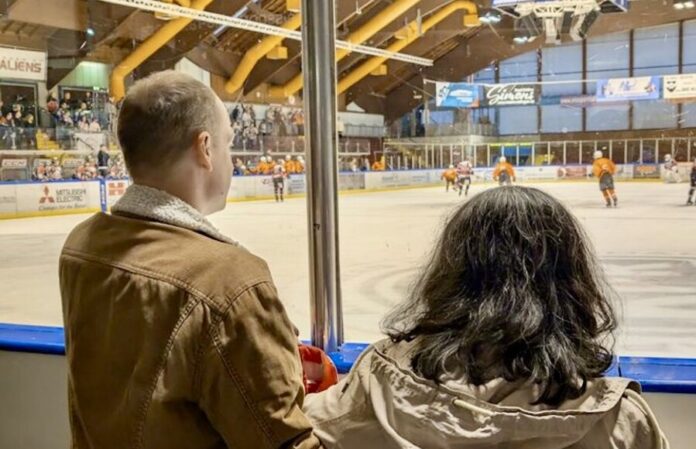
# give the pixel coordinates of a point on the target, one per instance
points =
(647, 245)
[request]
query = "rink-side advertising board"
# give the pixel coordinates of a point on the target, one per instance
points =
(400, 179)
(646, 171)
(351, 181)
(8, 201)
(574, 172)
(536, 173)
(114, 190)
(48, 198)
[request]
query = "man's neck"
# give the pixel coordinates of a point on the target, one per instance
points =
(184, 191)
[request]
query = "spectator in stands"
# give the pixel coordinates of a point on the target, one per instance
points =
(247, 120)
(103, 161)
(252, 137)
(83, 124)
(29, 132)
(83, 113)
(87, 100)
(238, 137)
(238, 168)
(80, 172)
(94, 126)
(162, 309)
(9, 131)
(91, 170)
(110, 111)
(67, 101)
(55, 171)
(504, 342)
(40, 172)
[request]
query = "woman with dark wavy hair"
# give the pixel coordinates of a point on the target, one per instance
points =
(503, 343)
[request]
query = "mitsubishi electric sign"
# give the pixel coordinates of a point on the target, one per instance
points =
(22, 64)
(511, 94)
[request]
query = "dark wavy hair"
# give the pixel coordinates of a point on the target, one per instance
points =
(513, 290)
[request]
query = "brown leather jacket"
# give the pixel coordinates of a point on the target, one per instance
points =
(176, 339)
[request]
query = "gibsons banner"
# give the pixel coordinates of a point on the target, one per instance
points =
(511, 95)
(22, 64)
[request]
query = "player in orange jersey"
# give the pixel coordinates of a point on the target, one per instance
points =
(263, 168)
(289, 165)
(299, 165)
(504, 172)
(450, 177)
(604, 169)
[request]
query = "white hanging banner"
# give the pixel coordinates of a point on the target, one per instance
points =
(22, 64)
(680, 87)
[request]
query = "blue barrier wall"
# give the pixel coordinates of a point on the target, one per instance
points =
(655, 374)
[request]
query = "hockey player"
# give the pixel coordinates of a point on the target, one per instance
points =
(263, 168)
(278, 176)
(300, 165)
(670, 169)
(289, 165)
(604, 169)
(504, 173)
(692, 187)
(449, 176)
(464, 172)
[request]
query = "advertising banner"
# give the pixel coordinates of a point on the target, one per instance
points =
(15, 163)
(624, 171)
(679, 87)
(295, 184)
(646, 171)
(624, 89)
(115, 188)
(22, 64)
(351, 181)
(536, 173)
(578, 101)
(395, 179)
(8, 200)
(573, 172)
(457, 95)
(58, 197)
(511, 94)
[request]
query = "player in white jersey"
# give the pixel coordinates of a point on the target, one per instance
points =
(671, 173)
(464, 172)
(278, 176)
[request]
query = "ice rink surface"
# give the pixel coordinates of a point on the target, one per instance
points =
(647, 246)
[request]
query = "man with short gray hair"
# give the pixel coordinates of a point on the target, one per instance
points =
(175, 335)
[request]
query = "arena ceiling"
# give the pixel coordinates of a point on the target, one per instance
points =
(60, 28)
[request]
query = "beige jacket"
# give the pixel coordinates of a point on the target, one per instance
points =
(175, 335)
(382, 404)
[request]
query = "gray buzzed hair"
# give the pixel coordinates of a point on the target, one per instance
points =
(161, 116)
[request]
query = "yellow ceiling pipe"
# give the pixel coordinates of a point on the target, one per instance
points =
(257, 52)
(410, 32)
(372, 27)
(159, 39)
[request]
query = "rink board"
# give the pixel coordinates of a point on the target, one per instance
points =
(32, 199)
(33, 388)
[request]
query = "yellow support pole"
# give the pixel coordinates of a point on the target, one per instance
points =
(410, 33)
(255, 53)
(372, 27)
(153, 43)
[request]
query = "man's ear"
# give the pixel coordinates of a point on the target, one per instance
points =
(202, 150)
